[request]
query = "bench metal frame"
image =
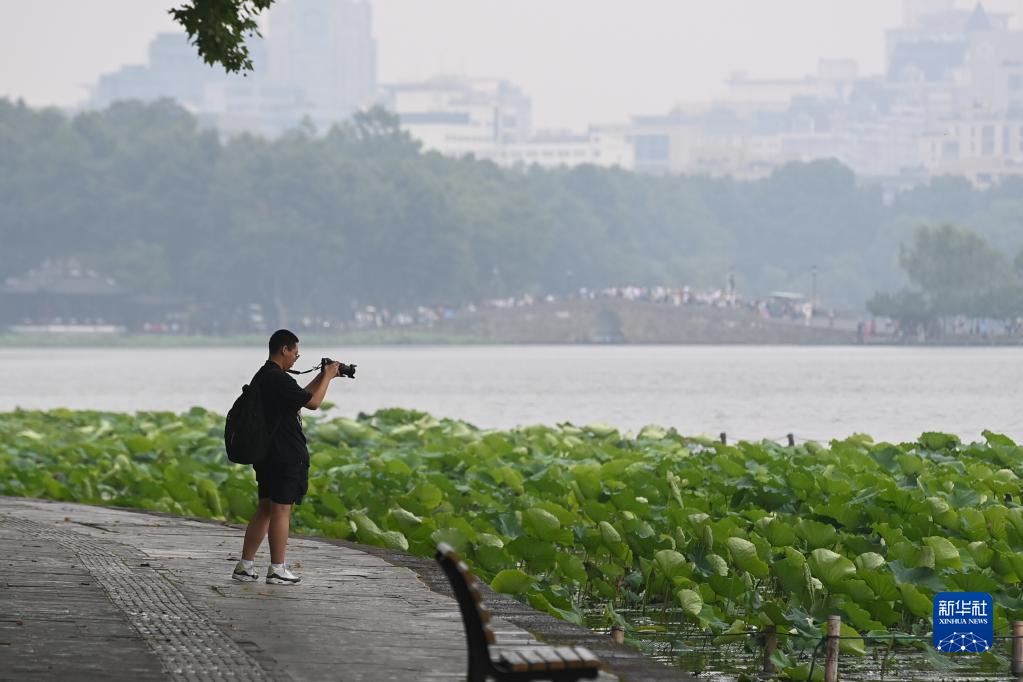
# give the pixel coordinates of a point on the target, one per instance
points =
(479, 637)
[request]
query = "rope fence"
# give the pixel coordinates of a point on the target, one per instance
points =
(830, 643)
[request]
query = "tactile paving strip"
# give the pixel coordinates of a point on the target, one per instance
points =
(188, 644)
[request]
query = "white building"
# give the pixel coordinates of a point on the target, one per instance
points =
(457, 115)
(600, 146)
(984, 149)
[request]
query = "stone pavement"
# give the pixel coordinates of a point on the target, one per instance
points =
(92, 592)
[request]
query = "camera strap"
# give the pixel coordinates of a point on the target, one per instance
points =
(294, 371)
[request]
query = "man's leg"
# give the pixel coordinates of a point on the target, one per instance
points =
(280, 522)
(257, 529)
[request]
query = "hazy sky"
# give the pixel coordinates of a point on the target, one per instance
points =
(581, 61)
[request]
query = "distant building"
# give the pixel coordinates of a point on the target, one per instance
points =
(173, 71)
(317, 62)
(952, 73)
(600, 146)
(983, 149)
(324, 49)
(62, 296)
(491, 119)
(457, 115)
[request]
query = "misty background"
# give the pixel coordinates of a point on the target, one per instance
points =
(866, 158)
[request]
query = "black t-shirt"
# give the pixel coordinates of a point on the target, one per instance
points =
(282, 400)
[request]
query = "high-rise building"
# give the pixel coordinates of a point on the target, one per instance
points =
(324, 48)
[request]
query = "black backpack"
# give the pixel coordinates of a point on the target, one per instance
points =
(246, 436)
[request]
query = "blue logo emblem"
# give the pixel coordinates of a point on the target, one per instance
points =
(963, 622)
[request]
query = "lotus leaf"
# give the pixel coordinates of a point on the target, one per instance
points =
(512, 581)
(572, 567)
(915, 601)
(727, 587)
(816, 534)
(540, 554)
(423, 498)
(974, 582)
(690, 601)
(608, 535)
(671, 564)
(830, 567)
(939, 441)
(744, 555)
(981, 553)
(869, 561)
(540, 523)
(945, 553)
(859, 617)
(777, 532)
(880, 582)
(851, 643)
(452, 536)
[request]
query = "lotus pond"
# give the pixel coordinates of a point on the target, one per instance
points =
(693, 546)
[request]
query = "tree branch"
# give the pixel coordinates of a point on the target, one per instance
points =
(219, 28)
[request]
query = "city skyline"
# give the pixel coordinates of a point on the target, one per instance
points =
(653, 54)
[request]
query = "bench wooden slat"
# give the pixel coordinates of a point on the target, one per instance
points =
(536, 662)
(489, 635)
(514, 661)
(550, 657)
(569, 656)
(587, 656)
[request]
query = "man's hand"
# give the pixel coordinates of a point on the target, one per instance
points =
(330, 371)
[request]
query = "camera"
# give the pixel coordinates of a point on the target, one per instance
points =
(343, 371)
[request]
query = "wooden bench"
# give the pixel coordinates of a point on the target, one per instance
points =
(506, 663)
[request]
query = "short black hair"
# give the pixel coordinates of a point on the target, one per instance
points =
(280, 339)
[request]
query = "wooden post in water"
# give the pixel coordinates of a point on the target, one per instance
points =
(792, 439)
(831, 649)
(724, 438)
(618, 634)
(1017, 647)
(770, 645)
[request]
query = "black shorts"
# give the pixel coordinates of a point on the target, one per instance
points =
(282, 482)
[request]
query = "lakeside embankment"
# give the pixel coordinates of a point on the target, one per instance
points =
(101, 592)
(602, 321)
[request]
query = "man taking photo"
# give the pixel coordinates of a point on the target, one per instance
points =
(282, 478)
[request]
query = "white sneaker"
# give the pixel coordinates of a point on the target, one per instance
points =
(281, 576)
(246, 575)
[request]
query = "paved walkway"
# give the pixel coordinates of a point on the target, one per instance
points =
(90, 592)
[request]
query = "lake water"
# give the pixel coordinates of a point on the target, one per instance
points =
(749, 392)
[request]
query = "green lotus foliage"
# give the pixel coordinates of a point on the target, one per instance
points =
(719, 538)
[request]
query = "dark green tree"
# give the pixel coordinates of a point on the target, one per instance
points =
(955, 268)
(219, 29)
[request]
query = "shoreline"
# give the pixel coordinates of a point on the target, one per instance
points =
(590, 323)
(419, 339)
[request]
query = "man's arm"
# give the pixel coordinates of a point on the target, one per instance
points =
(318, 386)
(314, 385)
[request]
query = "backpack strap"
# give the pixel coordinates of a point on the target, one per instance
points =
(279, 418)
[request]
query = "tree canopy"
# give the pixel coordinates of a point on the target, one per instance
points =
(322, 223)
(953, 271)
